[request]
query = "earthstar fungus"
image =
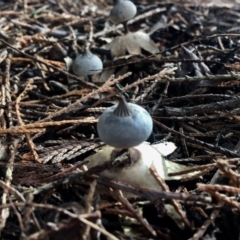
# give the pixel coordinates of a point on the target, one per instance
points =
(87, 64)
(124, 125)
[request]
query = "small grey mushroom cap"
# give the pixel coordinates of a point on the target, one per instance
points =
(125, 130)
(87, 64)
(122, 11)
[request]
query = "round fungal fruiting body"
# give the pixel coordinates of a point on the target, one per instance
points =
(122, 11)
(124, 125)
(87, 64)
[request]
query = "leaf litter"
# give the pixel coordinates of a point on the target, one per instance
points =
(131, 43)
(179, 61)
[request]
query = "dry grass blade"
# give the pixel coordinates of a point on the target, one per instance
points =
(31, 145)
(198, 235)
(175, 203)
(12, 145)
(218, 188)
(117, 194)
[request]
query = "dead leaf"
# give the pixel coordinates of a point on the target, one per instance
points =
(145, 42)
(165, 148)
(131, 43)
(199, 68)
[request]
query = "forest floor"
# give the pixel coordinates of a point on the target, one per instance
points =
(181, 64)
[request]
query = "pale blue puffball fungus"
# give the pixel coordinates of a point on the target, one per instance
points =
(122, 11)
(87, 64)
(124, 125)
